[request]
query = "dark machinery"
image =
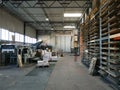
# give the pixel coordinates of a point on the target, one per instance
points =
(25, 52)
(8, 54)
(41, 45)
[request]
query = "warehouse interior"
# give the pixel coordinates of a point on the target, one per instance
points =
(59, 44)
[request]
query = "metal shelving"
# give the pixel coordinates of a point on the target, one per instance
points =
(110, 49)
(103, 40)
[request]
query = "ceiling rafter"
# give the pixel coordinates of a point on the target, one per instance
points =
(53, 23)
(50, 22)
(40, 30)
(38, 17)
(44, 3)
(44, 0)
(64, 3)
(46, 13)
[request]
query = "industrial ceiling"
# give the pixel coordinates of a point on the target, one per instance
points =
(47, 14)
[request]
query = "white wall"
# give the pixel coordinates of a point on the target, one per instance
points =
(57, 41)
(63, 42)
(49, 39)
(30, 32)
(11, 23)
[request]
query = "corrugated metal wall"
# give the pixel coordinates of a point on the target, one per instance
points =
(11, 23)
(49, 39)
(30, 32)
(63, 42)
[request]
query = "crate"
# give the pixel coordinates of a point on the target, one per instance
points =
(87, 19)
(93, 12)
(103, 2)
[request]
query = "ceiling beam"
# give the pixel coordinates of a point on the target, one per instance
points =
(45, 3)
(45, 0)
(55, 7)
(52, 30)
(51, 22)
(46, 14)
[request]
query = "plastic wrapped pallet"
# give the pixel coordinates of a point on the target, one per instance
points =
(47, 55)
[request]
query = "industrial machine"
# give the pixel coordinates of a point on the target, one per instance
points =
(25, 52)
(41, 45)
(8, 54)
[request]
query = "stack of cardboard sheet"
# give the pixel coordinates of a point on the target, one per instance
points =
(45, 61)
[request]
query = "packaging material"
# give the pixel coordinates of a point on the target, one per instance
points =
(42, 63)
(75, 44)
(47, 55)
(54, 58)
(75, 38)
(20, 61)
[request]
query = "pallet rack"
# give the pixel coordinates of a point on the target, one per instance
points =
(94, 38)
(114, 45)
(109, 48)
(84, 30)
(104, 40)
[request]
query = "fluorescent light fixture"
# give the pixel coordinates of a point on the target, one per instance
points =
(72, 14)
(47, 19)
(69, 27)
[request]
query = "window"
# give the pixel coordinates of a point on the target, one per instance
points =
(21, 38)
(0, 33)
(11, 36)
(30, 40)
(4, 34)
(34, 40)
(17, 37)
(26, 39)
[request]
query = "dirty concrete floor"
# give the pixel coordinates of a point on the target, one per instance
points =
(30, 78)
(65, 75)
(71, 75)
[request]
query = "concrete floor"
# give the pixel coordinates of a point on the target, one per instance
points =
(71, 75)
(30, 78)
(66, 75)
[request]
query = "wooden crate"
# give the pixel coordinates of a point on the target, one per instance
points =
(87, 19)
(93, 12)
(103, 2)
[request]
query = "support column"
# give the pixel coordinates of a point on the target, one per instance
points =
(37, 35)
(78, 41)
(24, 32)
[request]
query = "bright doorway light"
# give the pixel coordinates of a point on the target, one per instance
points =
(72, 14)
(69, 26)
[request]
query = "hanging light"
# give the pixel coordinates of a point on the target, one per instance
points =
(72, 14)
